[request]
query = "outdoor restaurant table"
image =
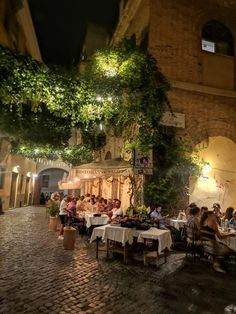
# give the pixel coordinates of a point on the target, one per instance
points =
(229, 241)
(95, 221)
(124, 235)
(163, 237)
(177, 223)
(118, 234)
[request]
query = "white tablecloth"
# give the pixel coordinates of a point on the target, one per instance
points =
(97, 232)
(118, 234)
(123, 235)
(163, 237)
(177, 223)
(229, 241)
(94, 221)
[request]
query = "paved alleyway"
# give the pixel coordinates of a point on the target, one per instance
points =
(38, 276)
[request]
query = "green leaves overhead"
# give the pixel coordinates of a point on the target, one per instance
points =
(121, 87)
(72, 154)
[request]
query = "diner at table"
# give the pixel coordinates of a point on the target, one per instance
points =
(106, 220)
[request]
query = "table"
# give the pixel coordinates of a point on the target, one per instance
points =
(95, 221)
(177, 223)
(126, 235)
(163, 237)
(229, 241)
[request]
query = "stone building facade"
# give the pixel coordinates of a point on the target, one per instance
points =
(17, 175)
(194, 44)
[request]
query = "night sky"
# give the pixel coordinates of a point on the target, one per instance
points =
(60, 25)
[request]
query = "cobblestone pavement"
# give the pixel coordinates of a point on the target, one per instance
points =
(38, 276)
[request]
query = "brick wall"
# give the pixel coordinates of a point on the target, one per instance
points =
(175, 35)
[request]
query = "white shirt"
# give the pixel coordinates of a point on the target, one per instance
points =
(117, 212)
(62, 209)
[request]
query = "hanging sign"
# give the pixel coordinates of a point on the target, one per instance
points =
(173, 119)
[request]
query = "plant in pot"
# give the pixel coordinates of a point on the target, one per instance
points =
(53, 210)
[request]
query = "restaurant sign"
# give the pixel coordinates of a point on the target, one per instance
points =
(173, 119)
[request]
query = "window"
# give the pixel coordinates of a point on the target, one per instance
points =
(217, 38)
(45, 181)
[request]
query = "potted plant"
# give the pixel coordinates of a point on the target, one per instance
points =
(69, 232)
(53, 210)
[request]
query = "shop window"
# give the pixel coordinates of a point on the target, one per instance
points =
(217, 38)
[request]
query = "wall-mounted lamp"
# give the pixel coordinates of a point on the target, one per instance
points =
(206, 169)
(16, 169)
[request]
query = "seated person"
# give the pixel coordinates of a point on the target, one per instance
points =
(228, 214)
(193, 226)
(116, 210)
(209, 232)
(203, 210)
(157, 217)
(187, 209)
(79, 204)
(232, 221)
(216, 210)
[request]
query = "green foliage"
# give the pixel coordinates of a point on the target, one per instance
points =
(73, 154)
(173, 164)
(76, 154)
(129, 85)
(40, 127)
(122, 88)
(53, 208)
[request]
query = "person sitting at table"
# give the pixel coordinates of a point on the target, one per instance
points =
(116, 210)
(157, 217)
(232, 221)
(193, 227)
(209, 234)
(216, 210)
(79, 203)
(187, 209)
(88, 207)
(228, 214)
(203, 210)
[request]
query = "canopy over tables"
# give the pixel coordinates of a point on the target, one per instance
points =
(108, 178)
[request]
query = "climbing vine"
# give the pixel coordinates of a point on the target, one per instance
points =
(121, 89)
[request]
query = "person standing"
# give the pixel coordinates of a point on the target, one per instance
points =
(63, 214)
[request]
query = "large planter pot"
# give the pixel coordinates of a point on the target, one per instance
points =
(52, 226)
(69, 238)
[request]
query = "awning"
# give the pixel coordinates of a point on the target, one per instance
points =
(93, 170)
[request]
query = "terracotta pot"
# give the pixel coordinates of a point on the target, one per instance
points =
(52, 226)
(69, 238)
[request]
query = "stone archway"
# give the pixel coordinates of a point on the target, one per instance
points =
(47, 181)
(202, 130)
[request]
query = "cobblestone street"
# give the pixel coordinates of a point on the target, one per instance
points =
(38, 276)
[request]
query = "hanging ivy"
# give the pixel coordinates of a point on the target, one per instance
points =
(72, 155)
(122, 89)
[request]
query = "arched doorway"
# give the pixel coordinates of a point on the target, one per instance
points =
(218, 183)
(47, 182)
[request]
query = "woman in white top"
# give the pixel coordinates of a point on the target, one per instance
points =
(116, 210)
